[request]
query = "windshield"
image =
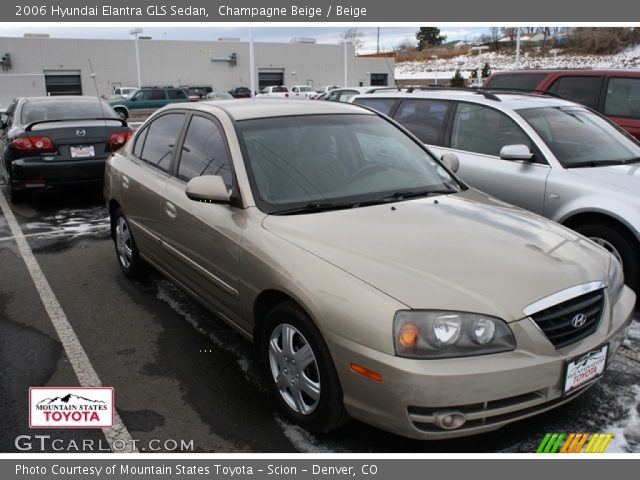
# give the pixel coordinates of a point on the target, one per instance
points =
(306, 89)
(578, 137)
(65, 110)
(337, 159)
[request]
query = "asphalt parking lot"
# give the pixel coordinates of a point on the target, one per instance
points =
(180, 374)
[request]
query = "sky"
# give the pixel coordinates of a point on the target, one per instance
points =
(390, 37)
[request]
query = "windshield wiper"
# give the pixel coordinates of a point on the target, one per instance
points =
(406, 194)
(315, 207)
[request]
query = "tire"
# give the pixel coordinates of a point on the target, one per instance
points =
(15, 196)
(131, 264)
(620, 245)
(121, 113)
(307, 391)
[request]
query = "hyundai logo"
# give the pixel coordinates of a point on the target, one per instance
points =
(579, 320)
(81, 133)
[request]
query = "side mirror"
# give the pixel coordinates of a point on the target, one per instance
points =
(208, 189)
(451, 161)
(516, 152)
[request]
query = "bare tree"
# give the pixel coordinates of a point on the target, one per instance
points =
(354, 36)
(494, 33)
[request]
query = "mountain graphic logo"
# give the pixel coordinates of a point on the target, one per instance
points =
(71, 407)
(68, 399)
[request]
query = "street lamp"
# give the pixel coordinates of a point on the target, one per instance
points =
(435, 69)
(135, 32)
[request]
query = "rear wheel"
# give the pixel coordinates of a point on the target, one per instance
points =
(15, 196)
(122, 113)
(302, 376)
(620, 245)
(131, 264)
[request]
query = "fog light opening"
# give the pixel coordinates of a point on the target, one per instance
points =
(449, 420)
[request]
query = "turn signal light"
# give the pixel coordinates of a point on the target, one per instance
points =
(365, 372)
(408, 335)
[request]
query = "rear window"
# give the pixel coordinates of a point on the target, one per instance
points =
(517, 81)
(65, 110)
(280, 89)
(383, 105)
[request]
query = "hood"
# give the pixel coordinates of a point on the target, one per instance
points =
(617, 177)
(465, 252)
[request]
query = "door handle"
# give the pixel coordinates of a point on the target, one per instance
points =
(170, 209)
(125, 181)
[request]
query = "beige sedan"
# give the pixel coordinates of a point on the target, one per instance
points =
(376, 285)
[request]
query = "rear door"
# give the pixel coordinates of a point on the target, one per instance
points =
(622, 103)
(143, 182)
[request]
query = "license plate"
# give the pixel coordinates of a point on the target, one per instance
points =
(585, 369)
(83, 152)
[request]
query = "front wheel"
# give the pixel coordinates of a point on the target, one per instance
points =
(301, 373)
(131, 264)
(620, 246)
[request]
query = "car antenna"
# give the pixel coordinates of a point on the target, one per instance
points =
(95, 84)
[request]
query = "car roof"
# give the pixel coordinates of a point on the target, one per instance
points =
(65, 98)
(264, 108)
(508, 100)
(579, 71)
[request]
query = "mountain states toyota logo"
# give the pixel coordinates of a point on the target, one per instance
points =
(73, 407)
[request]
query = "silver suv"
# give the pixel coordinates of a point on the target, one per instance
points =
(547, 155)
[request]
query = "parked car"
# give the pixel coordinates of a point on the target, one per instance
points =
(322, 90)
(373, 282)
(218, 96)
(48, 142)
(147, 100)
(614, 93)
(345, 94)
(195, 94)
(240, 92)
(123, 92)
(300, 91)
(553, 157)
(274, 91)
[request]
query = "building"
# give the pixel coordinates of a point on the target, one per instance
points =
(64, 66)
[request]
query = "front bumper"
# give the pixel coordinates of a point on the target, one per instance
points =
(28, 173)
(490, 391)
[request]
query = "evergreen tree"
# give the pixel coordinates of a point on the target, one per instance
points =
(486, 70)
(457, 80)
(429, 36)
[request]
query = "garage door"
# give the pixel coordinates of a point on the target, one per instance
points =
(270, 76)
(63, 82)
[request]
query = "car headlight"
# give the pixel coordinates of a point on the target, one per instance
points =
(615, 280)
(444, 334)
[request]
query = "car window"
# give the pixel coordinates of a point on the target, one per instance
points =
(141, 95)
(333, 96)
(177, 95)
(345, 95)
(481, 129)
(204, 152)
(161, 140)
(517, 81)
(576, 135)
(383, 105)
(424, 118)
(140, 138)
(623, 97)
(52, 109)
(583, 90)
(295, 161)
(157, 95)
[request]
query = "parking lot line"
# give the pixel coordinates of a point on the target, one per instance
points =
(87, 376)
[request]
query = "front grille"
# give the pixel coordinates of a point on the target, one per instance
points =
(557, 322)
